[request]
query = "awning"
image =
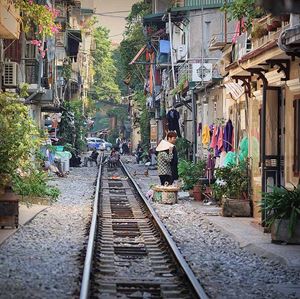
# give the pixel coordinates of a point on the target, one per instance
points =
(154, 18)
(235, 89)
(138, 55)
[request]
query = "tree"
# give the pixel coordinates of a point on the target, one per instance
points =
(105, 86)
(239, 9)
(133, 41)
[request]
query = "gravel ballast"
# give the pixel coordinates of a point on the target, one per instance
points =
(42, 259)
(224, 269)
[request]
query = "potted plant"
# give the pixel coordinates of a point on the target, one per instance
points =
(190, 173)
(231, 188)
(281, 208)
(258, 31)
(19, 141)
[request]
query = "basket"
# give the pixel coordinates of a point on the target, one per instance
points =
(165, 194)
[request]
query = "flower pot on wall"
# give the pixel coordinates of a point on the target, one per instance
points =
(280, 232)
(232, 207)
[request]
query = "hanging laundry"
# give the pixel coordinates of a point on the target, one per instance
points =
(214, 137)
(220, 139)
(199, 129)
(228, 136)
(205, 135)
(173, 121)
(210, 166)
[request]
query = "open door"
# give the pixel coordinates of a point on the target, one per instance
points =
(272, 133)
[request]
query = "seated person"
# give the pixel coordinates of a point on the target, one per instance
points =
(94, 156)
(114, 158)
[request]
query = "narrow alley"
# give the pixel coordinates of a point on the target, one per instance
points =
(149, 149)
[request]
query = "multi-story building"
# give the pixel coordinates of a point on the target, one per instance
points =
(265, 63)
(63, 73)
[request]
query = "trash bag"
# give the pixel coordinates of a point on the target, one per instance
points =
(230, 159)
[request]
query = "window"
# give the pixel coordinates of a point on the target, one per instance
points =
(296, 166)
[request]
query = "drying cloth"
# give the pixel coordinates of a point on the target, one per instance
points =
(205, 135)
(228, 136)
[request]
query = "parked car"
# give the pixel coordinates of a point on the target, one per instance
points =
(98, 143)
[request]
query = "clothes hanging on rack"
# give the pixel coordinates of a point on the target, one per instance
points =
(228, 136)
(214, 137)
(205, 135)
(199, 129)
(173, 121)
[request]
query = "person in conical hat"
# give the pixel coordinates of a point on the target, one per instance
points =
(164, 158)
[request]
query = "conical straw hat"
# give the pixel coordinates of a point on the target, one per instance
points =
(163, 146)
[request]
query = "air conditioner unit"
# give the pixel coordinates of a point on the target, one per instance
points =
(181, 52)
(10, 74)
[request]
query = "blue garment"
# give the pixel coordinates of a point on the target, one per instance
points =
(164, 46)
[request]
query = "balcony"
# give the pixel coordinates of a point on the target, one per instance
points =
(219, 41)
(9, 20)
(267, 30)
(198, 4)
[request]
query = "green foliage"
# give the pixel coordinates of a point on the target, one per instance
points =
(67, 69)
(191, 172)
(105, 86)
(239, 9)
(133, 41)
(42, 17)
(18, 135)
(34, 184)
(144, 122)
(114, 134)
(182, 146)
(282, 203)
(119, 112)
(231, 181)
(73, 126)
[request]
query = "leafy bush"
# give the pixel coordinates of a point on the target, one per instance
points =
(231, 181)
(282, 203)
(182, 146)
(19, 137)
(191, 172)
(34, 184)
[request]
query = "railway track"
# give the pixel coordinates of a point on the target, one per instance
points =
(130, 254)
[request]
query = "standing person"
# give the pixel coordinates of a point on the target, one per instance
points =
(164, 158)
(171, 137)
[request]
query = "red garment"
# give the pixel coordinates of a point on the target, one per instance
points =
(214, 136)
(220, 139)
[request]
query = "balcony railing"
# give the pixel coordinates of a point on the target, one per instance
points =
(198, 4)
(267, 29)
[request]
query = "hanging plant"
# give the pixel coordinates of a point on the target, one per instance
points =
(40, 19)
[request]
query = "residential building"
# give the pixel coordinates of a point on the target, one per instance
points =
(268, 70)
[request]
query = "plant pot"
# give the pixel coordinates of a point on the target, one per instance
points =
(271, 27)
(232, 207)
(285, 18)
(9, 209)
(279, 232)
(197, 192)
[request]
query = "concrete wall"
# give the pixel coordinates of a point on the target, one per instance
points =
(290, 178)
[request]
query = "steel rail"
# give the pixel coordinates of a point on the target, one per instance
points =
(85, 282)
(181, 261)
